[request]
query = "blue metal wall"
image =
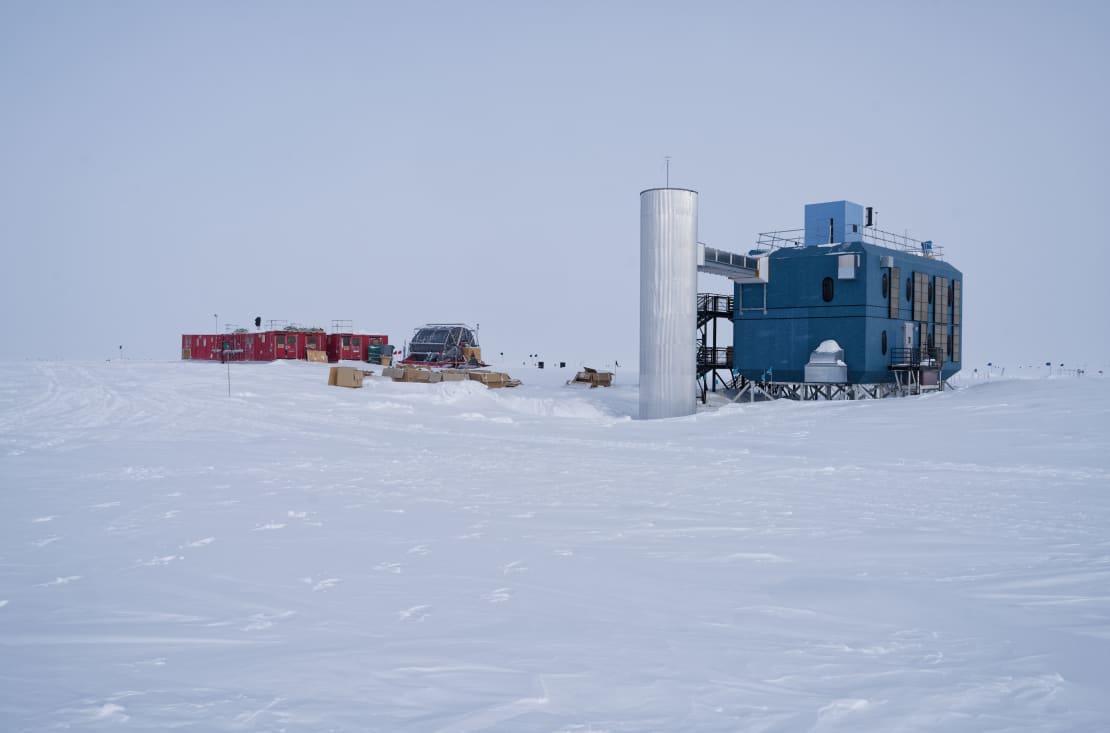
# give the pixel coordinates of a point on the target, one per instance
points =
(797, 318)
(845, 217)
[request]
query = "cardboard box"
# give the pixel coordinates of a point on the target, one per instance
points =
(421, 375)
(317, 355)
(345, 377)
(593, 377)
(493, 380)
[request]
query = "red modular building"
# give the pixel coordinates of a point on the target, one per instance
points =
(272, 345)
(352, 346)
(264, 346)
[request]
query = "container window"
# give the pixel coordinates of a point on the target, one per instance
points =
(884, 343)
(886, 287)
(942, 343)
(940, 297)
(921, 287)
(346, 340)
(827, 289)
(356, 341)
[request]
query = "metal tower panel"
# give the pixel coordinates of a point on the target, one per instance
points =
(668, 302)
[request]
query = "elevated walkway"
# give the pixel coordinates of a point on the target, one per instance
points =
(727, 264)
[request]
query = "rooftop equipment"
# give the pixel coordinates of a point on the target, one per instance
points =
(826, 364)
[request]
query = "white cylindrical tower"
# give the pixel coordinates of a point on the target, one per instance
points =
(668, 302)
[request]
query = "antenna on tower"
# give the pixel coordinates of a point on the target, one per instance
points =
(667, 165)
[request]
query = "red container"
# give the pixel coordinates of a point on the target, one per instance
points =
(203, 347)
(271, 345)
(260, 346)
(294, 344)
(352, 346)
(218, 347)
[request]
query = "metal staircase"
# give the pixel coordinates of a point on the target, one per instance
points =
(712, 359)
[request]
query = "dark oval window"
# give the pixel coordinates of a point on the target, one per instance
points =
(827, 289)
(884, 343)
(909, 289)
(886, 288)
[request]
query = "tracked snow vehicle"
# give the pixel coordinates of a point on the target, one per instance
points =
(444, 345)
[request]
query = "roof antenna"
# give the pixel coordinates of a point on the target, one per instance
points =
(667, 163)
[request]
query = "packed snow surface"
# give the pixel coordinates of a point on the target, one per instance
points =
(413, 557)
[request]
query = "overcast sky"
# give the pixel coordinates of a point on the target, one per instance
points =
(404, 162)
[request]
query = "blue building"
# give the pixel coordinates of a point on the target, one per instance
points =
(887, 300)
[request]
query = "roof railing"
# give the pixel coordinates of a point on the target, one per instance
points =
(771, 241)
(783, 238)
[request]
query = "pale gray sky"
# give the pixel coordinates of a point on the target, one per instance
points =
(396, 163)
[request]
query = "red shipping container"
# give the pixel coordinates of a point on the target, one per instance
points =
(352, 346)
(271, 345)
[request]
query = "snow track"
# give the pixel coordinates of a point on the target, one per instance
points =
(444, 557)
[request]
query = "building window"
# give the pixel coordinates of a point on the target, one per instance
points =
(886, 288)
(951, 295)
(909, 289)
(827, 289)
(931, 287)
(884, 343)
